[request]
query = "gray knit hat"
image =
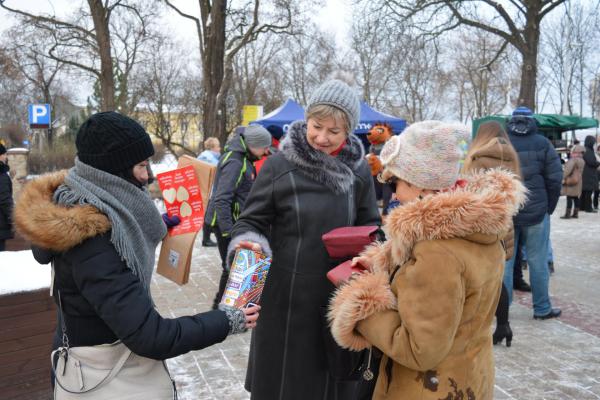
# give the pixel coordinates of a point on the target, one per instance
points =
(338, 94)
(256, 136)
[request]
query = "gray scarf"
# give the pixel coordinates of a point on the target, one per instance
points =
(137, 226)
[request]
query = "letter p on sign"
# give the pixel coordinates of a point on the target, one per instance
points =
(39, 115)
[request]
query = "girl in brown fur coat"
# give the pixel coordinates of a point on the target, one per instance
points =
(429, 297)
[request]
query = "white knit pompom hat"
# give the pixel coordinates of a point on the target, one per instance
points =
(427, 154)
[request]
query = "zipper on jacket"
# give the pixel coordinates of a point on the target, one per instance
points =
(351, 205)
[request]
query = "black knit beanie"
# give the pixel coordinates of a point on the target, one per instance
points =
(2, 149)
(112, 142)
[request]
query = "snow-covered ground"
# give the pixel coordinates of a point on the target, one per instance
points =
(19, 272)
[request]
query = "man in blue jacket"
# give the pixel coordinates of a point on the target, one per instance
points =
(542, 175)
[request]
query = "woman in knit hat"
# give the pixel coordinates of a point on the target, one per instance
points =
(428, 298)
(99, 227)
(317, 181)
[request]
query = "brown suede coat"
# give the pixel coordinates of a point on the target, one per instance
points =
(495, 154)
(432, 315)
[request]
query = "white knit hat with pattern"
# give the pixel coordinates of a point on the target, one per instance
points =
(427, 154)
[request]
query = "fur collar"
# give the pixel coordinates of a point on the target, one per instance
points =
(51, 226)
(484, 207)
(333, 172)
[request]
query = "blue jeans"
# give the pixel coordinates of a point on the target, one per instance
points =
(536, 239)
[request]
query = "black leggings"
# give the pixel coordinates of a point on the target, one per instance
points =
(572, 202)
(586, 200)
(222, 243)
(595, 201)
(502, 309)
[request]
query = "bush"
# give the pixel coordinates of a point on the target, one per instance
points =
(61, 156)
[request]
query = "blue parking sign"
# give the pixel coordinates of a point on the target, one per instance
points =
(39, 116)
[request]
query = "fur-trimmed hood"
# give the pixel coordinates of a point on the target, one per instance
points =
(51, 226)
(334, 172)
(479, 212)
(484, 207)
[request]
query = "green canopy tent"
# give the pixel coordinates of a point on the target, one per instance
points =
(550, 125)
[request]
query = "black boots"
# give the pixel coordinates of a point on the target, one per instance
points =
(521, 286)
(555, 312)
(567, 214)
(503, 332)
(575, 213)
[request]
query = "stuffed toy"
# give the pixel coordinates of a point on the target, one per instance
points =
(377, 136)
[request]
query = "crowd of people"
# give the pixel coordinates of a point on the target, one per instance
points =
(461, 229)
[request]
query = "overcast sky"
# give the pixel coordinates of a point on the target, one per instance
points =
(334, 17)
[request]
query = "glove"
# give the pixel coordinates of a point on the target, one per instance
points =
(236, 317)
(170, 222)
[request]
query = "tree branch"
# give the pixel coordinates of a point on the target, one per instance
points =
(552, 4)
(48, 20)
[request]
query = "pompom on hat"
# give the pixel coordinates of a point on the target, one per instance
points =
(427, 154)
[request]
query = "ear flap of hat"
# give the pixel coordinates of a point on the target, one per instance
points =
(390, 150)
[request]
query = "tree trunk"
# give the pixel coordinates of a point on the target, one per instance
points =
(214, 53)
(100, 15)
(531, 34)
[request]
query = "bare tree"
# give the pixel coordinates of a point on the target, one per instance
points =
(257, 78)
(223, 30)
(567, 46)
(375, 40)
(169, 98)
(13, 86)
(517, 24)
(84, 40)
(482, 88)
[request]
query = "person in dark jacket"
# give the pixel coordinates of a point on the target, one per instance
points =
(6, 199)
(590, 175)
(542, 175)
(234, 178)
(100, 228)
(317, 181)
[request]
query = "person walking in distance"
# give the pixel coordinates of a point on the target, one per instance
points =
(233, 181)
(6, 199)
(572, 181)
(590, 175)
(210, 155)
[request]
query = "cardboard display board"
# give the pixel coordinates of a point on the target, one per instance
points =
(205, 173)
(181, 193)
(174, 261)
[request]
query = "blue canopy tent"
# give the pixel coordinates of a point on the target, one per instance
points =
(370, 117)
(283, 116)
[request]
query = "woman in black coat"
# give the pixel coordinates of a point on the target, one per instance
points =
(590, 175)
(318, 181)
(6, 199)
(99, 227)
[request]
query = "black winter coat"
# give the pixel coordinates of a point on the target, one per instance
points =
(541, 170)
(6, 203)
(590, 171)
(297, 197)
(102, 300)
(233, 180)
